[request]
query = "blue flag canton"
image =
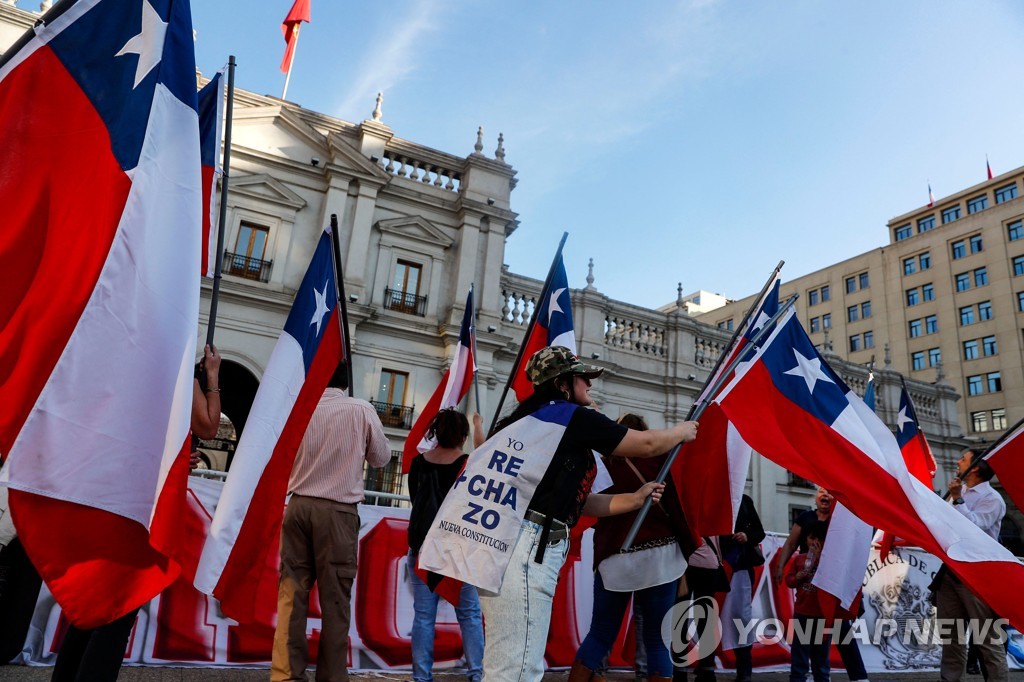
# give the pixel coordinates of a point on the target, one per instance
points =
(800, 374)
(555, 312)
(315, 300)
(118, 51)
(209, 145)
(556, 412)
(906, 421)
(768, 310)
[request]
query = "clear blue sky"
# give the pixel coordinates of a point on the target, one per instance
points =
(695, 141)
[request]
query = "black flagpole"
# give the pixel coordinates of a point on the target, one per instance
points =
(342, 300)
(761, 333)
(218, 265)
(545, 290)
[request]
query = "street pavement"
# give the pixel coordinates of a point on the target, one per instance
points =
(143, 674)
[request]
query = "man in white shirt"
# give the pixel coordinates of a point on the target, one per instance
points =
(972, 495)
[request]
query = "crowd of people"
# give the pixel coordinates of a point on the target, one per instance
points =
(664, 564)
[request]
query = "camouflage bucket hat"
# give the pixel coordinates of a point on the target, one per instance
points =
(554, 361)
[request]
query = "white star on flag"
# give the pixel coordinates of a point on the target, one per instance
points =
(809, 370)
(148, 44)
(553, 304)
(902, 419)
(321, 308)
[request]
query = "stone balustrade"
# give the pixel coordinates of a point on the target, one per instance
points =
(405, 163)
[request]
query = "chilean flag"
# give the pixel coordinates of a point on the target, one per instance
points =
(794, 409)
(449, 393)
(99, 185)
(988, 167)
(290, 29)
(211, 119)
(551, 325)
(720, 457)
(1007, 459)
(247, 523)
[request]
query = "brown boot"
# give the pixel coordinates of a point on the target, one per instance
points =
(581, 673)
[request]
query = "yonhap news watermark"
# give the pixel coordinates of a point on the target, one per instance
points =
(692, 629)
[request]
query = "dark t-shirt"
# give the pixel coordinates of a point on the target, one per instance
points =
(805, 520)
(566, 484)
(446, 474)
(422, 472)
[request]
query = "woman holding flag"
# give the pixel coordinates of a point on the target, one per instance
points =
(519, 614)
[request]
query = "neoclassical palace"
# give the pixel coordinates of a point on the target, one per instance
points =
(418, 226)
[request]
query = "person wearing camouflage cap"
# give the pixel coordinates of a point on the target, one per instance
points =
(519, 615)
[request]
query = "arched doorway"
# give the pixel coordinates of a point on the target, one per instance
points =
(238, 390)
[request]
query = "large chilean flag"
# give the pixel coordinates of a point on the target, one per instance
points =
(247, 523)
(449, 393)
(794, 409)
(99, 183)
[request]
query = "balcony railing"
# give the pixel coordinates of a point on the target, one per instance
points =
(250, 268)
(404, 302)
(397, 416)
(386, 479)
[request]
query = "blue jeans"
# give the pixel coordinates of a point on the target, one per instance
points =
(805, 654)
(850, 653)
(518, 617)
(609, 608)
(468, 613)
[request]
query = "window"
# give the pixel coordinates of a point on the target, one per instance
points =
(1006, 193)
(852, 313)
(931, 324)
(980, 277)
(971, 350)
(403, 294)
(976, 245)
(392, 387)
(869, 339)
(977, 204)
(995, 382)
(925, 259)
(865, 309)
(967, 315)
(974, 385)
(726, 324)
(1018, 266)
(1015, 230)
(863, 280)
(855, 343)
(979, 421)
(909, 266)
(989, 346)
(928, 292)
(815, 325)
(915, 328)
(851, 285)
(250, 249)
(959, 249)
(950, 214)
(902, 232)
(1020, 301)
(812, 297)
(826, 321)
(985, 310)
(934, 357)
(912, 297)
(917, 360)
(826, 293)
(963, 281)
(925, 224)
(999, 419)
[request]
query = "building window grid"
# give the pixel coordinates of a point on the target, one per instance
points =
(865, 310)
(980, 277)
(989, 346)
(925, 224)
(1018, 266)
(931, 324)
(928, 292)
(966, 315)
(958, 249)
(869, 339)
(934, 357)
(995, 382)
(826, 321)
(971, 350)
(925, 260)
(855, 343)
(815, 325)
(976, 244)
(985, 310)
(963, 281)
(1020, 301)
(999, 419)
(979, 421)
(851, 285)
(903, 232)
(852, 313)
(915, 327)
(909, 266)
(975, 385)
(917, 360)
(826, 293)
(1005, 193)
(1015, 230)
(812, 297)
(950, 214)
(912, 297)
(977, 204)
(863, 280)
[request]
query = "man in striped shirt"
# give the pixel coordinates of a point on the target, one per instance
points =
(320, 533)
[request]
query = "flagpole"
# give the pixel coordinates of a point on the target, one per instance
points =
(740, 329)
(472, 336)
(222, 218)
(339, 281)
(291, 62)
(545, 290)
(674, 452)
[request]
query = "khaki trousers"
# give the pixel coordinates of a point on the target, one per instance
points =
(955, 601)
(318, 545)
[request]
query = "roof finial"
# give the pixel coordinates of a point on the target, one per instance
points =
(590, 275)
(479, 146)
(499, 153)
(376, 109)
(45, 6)
(679, 296)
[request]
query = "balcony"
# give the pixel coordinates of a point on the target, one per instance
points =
(386, 479)
(397, 416)
(249, 268)
(404, 302)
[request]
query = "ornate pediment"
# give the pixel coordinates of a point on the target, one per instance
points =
(267, 188)
(415, 229)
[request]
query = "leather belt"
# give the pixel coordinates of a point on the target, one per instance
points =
(559, 531)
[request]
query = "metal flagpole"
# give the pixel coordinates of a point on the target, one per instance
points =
(342, 300)
(670, 460)
(294, 47)
(472, 336)
(218, 265)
